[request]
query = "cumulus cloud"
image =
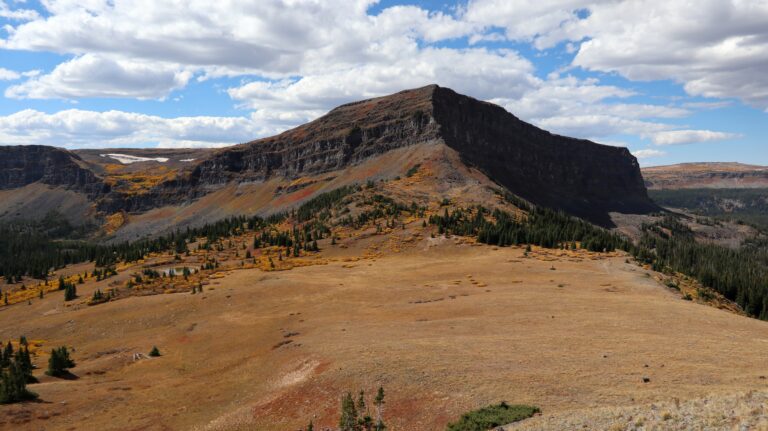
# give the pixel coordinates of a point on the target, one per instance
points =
(479, 72)
(299, 58)
(17, 13)
(76, 128)
(648, 153)
(579, 107)
(8, 75)
(714, 48)
(681, 137)
(96, 76)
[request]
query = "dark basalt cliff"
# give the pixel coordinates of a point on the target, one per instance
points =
(347, 135)
(25, 164)
(581, 177)
(578, 176)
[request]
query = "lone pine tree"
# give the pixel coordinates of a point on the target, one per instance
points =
(59, 362)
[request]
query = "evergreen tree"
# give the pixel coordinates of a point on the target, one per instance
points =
(13, 385)
(59, 362)
(24, 362)
(155, 352)
(7, 354)
(379, 403)
(70, 292)
(348, 420)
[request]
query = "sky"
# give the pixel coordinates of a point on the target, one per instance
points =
(674, 81)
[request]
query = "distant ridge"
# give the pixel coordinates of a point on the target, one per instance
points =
(706, 175)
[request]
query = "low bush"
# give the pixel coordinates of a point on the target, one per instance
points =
(492, 416)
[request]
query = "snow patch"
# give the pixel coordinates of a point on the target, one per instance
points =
(187, 160)
(127, 159)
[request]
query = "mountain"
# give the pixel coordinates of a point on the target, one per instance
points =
(706, 175)
(469, 140)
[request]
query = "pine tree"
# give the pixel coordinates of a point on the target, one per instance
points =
(361, 401)
(379, 403)
(348, 420)
(13, 385)
(59, 362)
(24, 362)
(7, 354)
(70, 292)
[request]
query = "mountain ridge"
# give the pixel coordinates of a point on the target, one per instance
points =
(706, 175)
(578, 176)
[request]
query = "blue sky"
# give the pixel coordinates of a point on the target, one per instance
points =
(672, 84)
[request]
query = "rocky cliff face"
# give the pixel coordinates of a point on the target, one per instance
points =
(23, 165)
(346, 135)
(579, 176)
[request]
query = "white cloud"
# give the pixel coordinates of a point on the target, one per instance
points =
(8, 75)
(300, 58)
(539, 22)
(16, 14)
(479, 72)
(581, 108)
(648, 153)
(76, 128)
(681, 137)
(714, 48)
(96, 76)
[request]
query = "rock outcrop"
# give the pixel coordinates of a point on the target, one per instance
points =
(26, 164)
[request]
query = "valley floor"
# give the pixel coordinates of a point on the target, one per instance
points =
(444, 327)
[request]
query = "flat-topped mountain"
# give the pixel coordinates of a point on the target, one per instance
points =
(715, 175)
(372, 139)
(578, 176)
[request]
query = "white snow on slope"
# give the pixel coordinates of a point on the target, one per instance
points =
(127, 159)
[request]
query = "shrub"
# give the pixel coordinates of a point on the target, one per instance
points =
(413, 170)
(492, 416)
(704, 294)
(155, 352)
